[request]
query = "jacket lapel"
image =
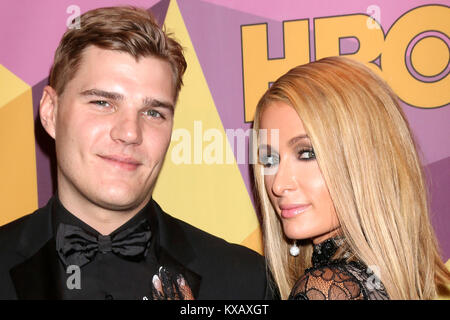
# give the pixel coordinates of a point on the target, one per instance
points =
(36, 277)
(174, 250)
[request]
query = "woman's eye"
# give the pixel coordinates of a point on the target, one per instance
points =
(306, 154)
(269, 161)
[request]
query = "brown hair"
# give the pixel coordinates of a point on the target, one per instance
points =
(126, 29)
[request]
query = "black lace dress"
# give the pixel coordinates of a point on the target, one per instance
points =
(331, 279)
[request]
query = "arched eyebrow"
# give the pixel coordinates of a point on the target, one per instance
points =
(297, 138)
(291, 142)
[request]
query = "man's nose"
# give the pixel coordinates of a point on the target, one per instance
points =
(127, 128)
(284, 180)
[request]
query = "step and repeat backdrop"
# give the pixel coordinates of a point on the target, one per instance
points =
(234, 49)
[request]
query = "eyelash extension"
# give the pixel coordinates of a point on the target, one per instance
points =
(303, 150)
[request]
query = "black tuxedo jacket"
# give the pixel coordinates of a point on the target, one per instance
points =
(213, 268)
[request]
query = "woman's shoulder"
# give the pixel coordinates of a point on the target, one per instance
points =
(338, 281)
(327, 282)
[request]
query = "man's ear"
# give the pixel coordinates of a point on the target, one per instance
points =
(48, 109)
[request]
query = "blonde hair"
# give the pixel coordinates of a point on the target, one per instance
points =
(369, 161)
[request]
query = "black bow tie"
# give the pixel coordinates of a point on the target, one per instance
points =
(77, 247)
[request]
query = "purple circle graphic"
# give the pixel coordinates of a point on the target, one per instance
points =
(434, 34)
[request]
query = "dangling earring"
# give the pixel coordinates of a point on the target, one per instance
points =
(294, 250)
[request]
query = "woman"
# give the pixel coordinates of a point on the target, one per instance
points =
(339, 176)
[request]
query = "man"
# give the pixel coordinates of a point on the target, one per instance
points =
(109, 106)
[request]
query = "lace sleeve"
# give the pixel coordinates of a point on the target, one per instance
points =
(327, 283)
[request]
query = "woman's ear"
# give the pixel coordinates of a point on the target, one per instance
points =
(48, 109)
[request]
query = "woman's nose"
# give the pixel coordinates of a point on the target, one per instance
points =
(284, 180)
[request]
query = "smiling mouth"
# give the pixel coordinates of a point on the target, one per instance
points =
(121, 162)
(290, 211)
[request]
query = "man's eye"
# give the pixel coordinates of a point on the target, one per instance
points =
(153, 114)
(101, 103)
(306, 154)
